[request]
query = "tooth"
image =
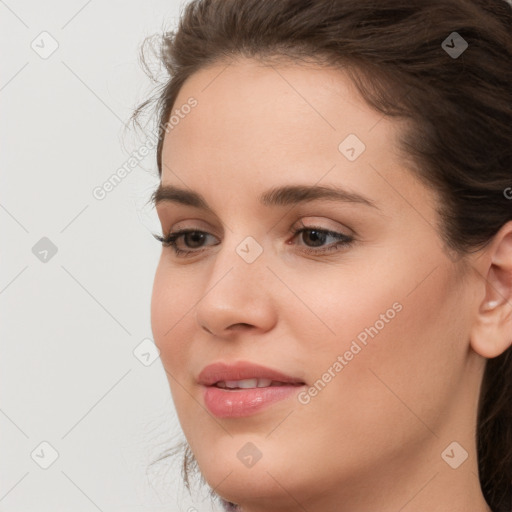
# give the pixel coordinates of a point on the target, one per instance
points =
(248, 383)
(243, 384)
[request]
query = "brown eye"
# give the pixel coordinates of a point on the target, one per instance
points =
(316, 237)
(192, 238)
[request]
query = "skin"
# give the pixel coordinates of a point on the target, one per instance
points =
(372, 439)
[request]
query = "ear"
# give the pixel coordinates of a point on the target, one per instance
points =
(491, 333)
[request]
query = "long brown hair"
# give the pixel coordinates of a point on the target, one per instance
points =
(397, 52)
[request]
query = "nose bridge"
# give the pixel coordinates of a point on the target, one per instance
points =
(239, 266)
(235, 292)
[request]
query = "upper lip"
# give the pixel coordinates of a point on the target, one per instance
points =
(241, 370)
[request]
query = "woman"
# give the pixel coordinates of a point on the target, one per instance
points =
(333, 302)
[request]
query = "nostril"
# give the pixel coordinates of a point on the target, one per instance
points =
(207, 330)
(243, 324)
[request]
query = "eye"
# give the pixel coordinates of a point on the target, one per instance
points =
(193, 237)
(318, 236)
(194, 240)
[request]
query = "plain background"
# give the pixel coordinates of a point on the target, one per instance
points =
(69, 325)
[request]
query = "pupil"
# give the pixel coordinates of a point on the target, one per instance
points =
(316, 237)
(194, 235)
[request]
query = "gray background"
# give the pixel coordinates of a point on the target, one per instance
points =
(69, 324)
(71, 320)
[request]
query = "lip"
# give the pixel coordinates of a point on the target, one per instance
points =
(240, 370)
(225, 403)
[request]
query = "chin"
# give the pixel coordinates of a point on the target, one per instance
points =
(245, 468)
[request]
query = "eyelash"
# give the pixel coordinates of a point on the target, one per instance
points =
(343, 240)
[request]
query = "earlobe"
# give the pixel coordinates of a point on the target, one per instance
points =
(491, 333)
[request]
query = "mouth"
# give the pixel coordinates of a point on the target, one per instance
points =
(244, 375)
(242, 389)
(253, 383)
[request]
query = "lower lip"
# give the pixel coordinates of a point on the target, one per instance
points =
(237, 403)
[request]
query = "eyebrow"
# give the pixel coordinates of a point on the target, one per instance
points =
(278, 196)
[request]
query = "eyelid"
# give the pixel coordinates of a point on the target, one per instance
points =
(193, 224)
(323, 224)
(320, 225)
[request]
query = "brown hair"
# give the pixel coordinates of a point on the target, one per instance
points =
(397, 54)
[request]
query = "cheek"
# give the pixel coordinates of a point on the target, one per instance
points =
(396, 359)
(339, 306)
(171, 315)
(170, 310)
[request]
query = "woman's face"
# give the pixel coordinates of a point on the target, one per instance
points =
(370, 323)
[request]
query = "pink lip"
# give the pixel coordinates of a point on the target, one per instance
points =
(240, 370)
(225, 403)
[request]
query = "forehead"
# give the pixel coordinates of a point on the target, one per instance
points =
(246, 107)
(258, 125)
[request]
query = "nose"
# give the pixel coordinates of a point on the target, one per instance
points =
(237, 297)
